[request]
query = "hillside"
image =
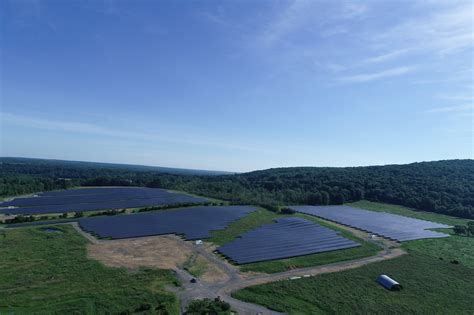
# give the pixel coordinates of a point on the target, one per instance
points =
(443, 187)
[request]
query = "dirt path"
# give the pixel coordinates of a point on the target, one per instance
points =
(311, 271)
(235, 280)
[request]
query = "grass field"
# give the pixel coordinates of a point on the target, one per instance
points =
(49, 273)
(432, 284)
(460, 248)
(262, 216)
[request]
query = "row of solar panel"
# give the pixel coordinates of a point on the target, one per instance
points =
(65, 200)
(95, 191)
(192, 223)
(66, 197)
(392, 226)
(165, 198)
(288, 237)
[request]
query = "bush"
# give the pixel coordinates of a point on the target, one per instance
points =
(460, 229)
(20, 219)
(287, 211)
(107, 212)
(465, 230)
(208, 307)
(270, 207)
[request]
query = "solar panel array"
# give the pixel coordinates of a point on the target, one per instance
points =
(193, 223)
(77, 200)
(288, 237)
(391, 226)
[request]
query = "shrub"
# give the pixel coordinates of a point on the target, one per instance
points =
(208, 307)
(287, 211)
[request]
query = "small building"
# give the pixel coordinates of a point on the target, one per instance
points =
(198, 242)
(389, 283)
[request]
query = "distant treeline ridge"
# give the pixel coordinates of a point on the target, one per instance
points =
(444, 186)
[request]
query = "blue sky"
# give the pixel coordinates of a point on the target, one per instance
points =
(237, 85)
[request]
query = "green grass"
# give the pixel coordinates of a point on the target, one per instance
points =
(195, 266)
(262, 216)
(430, 286)
(249, 222)
(417, 214)
(455, 247)
(49, 273)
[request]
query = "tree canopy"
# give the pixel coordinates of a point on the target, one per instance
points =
(444, 186)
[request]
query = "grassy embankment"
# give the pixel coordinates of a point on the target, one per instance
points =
(432, 283)
(49, 273)
(262, 216)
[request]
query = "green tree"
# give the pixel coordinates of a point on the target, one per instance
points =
(460, 229)
(325, 198)
(470, 228)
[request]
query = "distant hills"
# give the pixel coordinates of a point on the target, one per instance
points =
(131, 167)
(443, 186)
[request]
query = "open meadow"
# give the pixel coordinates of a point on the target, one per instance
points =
(49, 272)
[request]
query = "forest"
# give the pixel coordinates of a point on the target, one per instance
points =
(445, 187)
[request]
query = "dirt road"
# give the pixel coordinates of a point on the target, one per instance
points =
(236, 280)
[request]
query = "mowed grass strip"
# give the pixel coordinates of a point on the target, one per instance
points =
(247, 223)
(262, 216)
(49, 273)
(430, 286)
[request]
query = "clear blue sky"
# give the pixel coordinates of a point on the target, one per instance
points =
(237, 85)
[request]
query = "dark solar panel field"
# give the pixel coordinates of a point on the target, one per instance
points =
(392, 226)
(193, 223)
(288, 237)
(76, 200)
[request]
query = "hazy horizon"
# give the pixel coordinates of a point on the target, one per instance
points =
(237, 86)
(222, 170)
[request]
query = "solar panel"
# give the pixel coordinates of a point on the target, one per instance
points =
(392, 226)
(287, 237)
(76, 200)
(192, 223)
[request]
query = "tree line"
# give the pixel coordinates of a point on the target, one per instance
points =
(443, 187)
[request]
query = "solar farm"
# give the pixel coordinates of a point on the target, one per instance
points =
(236, 245)
(89, 199)
(288, 237)
(192, 223)
(395, 227)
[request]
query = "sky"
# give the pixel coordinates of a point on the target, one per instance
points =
(237, 85)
